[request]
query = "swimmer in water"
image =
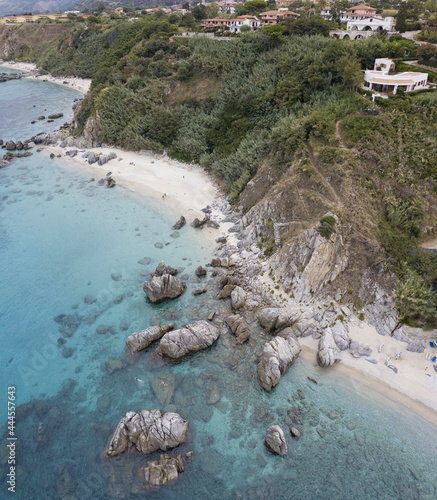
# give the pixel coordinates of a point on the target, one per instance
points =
(138, 379)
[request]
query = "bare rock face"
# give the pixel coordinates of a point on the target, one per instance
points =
(238, 297)
(164, 287)
(310, 261)
(328, 352)
(238, 327)
(193, 337)
(278, 355)
(163, 471)
(275, 440)
(141, 340)
(163, 268)
(275, 318)
(148, 430)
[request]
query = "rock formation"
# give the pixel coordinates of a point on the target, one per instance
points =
(277, 356)
(238, 297)
(162, 269)
(193, 337)
(162, 471)
(164, 287)
(328, 352)
(341, 335)
(275, 318)
(275, 440)
(141, 340)
(238, 327)
(180, 223)
(149, 431)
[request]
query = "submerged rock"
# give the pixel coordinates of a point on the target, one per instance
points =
(275, 440)
(164, 287)
(141, 340)
(193, 337)
(278, 355)
(163, 387)
(149, 431)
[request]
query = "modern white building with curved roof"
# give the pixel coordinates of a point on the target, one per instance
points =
(371, 23)
(381, 81)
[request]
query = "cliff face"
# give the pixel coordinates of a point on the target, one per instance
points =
(15, 39)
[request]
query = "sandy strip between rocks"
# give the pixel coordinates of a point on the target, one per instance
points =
(187, 188)
(415, 384)
(80, 84)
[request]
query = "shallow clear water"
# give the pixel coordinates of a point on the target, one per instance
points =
(61, 239)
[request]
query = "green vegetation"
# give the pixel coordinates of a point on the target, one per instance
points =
(327, 226)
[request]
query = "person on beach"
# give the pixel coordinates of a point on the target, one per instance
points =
(380, 347)
(387, 361)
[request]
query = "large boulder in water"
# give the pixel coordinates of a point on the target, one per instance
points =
(238, 297)
(149, 431)
(275, 440)
(164, 287)
(278, 355)
(158, 473)
(163, 268)
(239, 327)
(328, 352)
(141, 340)
(193, 337)
(10, 145)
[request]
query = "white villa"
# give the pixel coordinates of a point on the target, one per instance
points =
(235, 25)
(373, 23)
(380, 80)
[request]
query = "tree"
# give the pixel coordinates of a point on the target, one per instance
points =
(273, 34)
(426, 51)
(245, 28)
(212, 10)
(337, 8)
(199, 12)
(401, 18)
(252, 7)
(186, 6)
(349, 68)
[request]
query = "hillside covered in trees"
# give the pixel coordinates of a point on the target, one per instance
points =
(278, 118)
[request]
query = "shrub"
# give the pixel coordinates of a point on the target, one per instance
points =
(327, 226)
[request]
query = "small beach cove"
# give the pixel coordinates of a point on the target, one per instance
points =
(350, 434)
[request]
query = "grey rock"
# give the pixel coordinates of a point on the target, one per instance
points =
(92, 158)
(54, 116)
(275, 440)
(118, 299)
(19, 145)
(238, 327)
(10, 145)
(238, 297)
(163, 268)
(277, 356)
(200, 271)
(89, 300)
(102, 329)
(341, 335)
(295, 432)
(328, 352)
(149, 431)
(226, 292)
(199, 291)
(275, 318)
(141, 340)
(417, 346)
(175, 234)
(357, 349)
(193, 337)
(164, 287)
(116, 276)
(180, 223)
(162, 471)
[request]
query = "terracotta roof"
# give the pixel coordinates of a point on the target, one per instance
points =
(361, 7)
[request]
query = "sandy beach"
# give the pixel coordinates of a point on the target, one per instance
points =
(80, 84)
(175, 188)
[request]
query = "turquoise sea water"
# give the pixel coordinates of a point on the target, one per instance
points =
(62, 238)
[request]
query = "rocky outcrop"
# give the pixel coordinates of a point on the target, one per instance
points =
(141, 340)
(238, 327)
(341, 335)
(275, 440)
(193, 337)
(149, 431)
(276, 318)
(277, 356)
(238, 297)
(164, 287)
(162, 471)
(328, 352)
(10, 145)
(5, 77)
(55, 116)
(180, 223)
(310, 261)
(200, 271)
(357, 349)
(163, 268)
